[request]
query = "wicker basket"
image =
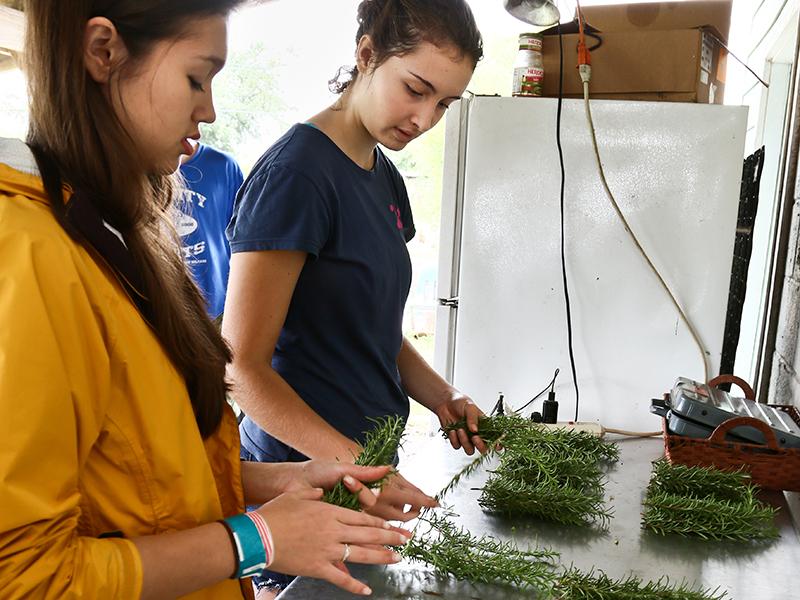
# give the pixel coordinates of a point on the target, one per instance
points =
(770, 466)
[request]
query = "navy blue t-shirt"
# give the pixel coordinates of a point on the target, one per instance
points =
(339, 345)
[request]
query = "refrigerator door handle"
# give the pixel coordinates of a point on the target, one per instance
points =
(451, 302)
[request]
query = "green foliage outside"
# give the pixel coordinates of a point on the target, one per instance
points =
(246, 100)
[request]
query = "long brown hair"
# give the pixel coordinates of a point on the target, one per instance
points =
(79, 141)
(398, 26)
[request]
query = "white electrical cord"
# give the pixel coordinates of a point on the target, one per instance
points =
(638, 434)
(586, 74)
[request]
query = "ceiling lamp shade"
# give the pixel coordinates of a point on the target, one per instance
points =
(542, 13)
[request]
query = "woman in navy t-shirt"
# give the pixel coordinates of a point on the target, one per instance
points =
(320, 272)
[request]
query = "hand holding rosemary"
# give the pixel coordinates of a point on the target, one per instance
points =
(380, 448)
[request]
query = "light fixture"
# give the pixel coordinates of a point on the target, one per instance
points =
(542, 13)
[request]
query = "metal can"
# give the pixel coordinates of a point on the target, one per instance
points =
(529, 67)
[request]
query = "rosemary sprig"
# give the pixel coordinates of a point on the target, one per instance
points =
(520, 432)
(542, 468)
(561, 504)
(576, 585)
(380, 448)
(452, 550)
(563, 467)
(699, 481)
(468, 470)
(707, 503)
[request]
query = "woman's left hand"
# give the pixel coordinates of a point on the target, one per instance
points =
(401, 500)
(460, 407)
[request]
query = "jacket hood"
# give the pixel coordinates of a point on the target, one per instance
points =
(18, 171)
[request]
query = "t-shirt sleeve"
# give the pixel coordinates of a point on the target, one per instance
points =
(235, 180)
(409, 231)
(279, 209)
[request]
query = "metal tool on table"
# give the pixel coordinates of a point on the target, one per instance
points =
(694, 410)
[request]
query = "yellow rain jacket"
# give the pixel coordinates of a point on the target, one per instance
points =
(97, 434)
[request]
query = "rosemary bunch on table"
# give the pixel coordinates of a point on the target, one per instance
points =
(706, 502)
(380, 448)
(561, 504)
(699, 481)
(553, 474)
(577, 585)
(452, 550)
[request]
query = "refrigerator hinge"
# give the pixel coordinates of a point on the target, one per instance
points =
(451, 302)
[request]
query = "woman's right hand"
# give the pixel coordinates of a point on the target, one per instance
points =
(309, 538)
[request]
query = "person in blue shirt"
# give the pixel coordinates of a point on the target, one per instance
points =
(211, 178)
(320, 271)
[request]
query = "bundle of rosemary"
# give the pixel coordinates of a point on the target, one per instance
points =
(576, 585)
(380, 448)
(451, 550)
(541, 468)
(706, 502)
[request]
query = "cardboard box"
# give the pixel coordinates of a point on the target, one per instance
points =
(659, 16)
(640, 61)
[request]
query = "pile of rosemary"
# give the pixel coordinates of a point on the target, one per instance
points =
(380, 448)
(551, 474)
(706, 502)
(576, 585)
(453, 551)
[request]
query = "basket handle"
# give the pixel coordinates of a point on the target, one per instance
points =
(723, 428)
(745, 387)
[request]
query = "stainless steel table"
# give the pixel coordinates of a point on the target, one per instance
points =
(745, 571)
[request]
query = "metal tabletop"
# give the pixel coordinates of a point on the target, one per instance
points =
(745, 571)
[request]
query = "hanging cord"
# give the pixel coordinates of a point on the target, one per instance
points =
(585, 71)
(635, 240)
(563, 255)
(550, 387)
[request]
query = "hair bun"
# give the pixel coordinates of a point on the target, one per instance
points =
(370, 10)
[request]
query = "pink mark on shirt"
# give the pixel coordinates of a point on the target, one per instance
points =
(396, 211)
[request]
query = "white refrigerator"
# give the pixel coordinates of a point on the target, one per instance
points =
(675, 171)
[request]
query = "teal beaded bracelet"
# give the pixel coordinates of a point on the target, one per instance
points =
(250, 552)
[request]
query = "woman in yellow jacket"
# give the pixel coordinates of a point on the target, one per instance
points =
(119, 457)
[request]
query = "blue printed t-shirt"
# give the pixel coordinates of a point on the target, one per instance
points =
(212, 179)
(339, 344)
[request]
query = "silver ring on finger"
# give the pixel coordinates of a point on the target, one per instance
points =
(346, 554)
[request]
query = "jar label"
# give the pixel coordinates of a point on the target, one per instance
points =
(528, 81)
(530, 43)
